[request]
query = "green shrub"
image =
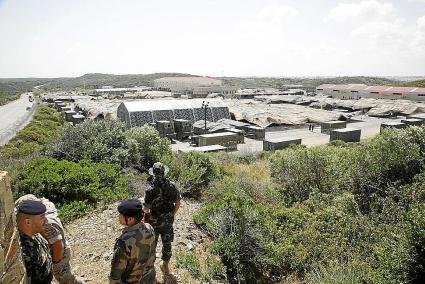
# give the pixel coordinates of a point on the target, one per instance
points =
(72, 186)
(146, 147)
(109, 141)
(338, 274)
(100, 141)
(300, 171)
(190, 262)
(192, 172)
(74, 210)
(7, 97)
(203, 268)
(31, 141)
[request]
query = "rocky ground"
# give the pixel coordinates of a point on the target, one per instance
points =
(93, 238)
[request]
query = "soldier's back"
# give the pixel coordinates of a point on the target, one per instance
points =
(138, 245)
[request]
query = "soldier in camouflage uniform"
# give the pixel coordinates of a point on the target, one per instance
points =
(60, 249)
(134, 251)
(35, 250)
(162, 200)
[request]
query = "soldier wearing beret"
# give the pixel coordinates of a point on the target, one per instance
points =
(162, 200)
(53, 231)
(35, 250)
(134, 251)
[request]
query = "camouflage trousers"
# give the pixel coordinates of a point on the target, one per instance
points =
(149, 278)
(62, 270)
(167, 237)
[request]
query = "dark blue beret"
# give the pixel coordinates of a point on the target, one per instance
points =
(130, 207)
(32, 207)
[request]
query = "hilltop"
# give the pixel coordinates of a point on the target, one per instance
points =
(417, 83)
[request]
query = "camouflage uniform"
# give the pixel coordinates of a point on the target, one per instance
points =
(134, 256)
(37, 259)
(53, 231)
(160, 198)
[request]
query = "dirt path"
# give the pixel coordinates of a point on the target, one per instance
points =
(93, 238)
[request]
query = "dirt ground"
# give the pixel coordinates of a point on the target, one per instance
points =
(93, 237)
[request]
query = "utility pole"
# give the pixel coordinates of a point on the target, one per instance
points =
(204, 106)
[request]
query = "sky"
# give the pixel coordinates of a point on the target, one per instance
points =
(285, 38)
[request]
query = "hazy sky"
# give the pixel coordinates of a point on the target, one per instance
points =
(51, 38)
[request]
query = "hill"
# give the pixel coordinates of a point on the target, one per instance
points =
(418, 83)
(97, 80)
(312, 82)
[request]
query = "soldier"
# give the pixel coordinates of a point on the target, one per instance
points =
(134, 251)
(162, 200)
(60, 249)
(35, 251)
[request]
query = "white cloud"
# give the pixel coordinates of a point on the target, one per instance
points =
(271, 19)
(420, 1)
(369, 10)
(421, 23)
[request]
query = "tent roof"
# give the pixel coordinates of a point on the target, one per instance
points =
(150, 105)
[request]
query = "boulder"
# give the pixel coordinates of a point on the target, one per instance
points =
(12, 269)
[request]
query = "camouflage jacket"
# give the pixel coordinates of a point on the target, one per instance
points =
(134, 254)
(37, 259)
(53, 230)
(161, 197)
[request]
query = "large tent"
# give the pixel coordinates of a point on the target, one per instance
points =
(139, 113)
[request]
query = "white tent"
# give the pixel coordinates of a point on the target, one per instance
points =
(141, 112)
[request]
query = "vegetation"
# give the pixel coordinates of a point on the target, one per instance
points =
(206, 268)
(417, 83)
(74, 187)
(275, 82)
(30, 142)
(110, 141)
(97, 80)
(85, 168)
(343, 213)
(192, 172)
(6, 97)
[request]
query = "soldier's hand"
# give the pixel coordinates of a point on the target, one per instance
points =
(146, 217)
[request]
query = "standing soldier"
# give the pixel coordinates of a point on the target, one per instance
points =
(54, 233)
(134, 251)
(35, 251)
(162, 200)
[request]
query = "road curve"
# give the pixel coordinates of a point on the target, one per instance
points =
(14, 116)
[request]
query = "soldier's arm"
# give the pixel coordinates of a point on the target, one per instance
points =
(147, 203)
(176, 207)
(177, 202)
(119, 263)
(53, 236)
(57, 248)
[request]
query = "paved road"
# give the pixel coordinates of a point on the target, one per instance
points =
(13, 117)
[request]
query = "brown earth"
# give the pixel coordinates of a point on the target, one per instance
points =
(93, 237)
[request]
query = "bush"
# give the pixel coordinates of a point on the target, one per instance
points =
(72, 186)
(31, 141)
(343, 213)
(109, 141)
(146, 147)
(100, 141)
(203, 268)
(192, 172)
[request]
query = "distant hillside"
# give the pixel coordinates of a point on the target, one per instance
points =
(418, 83)
(97, 80)
(273, 82)
(88, 81)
